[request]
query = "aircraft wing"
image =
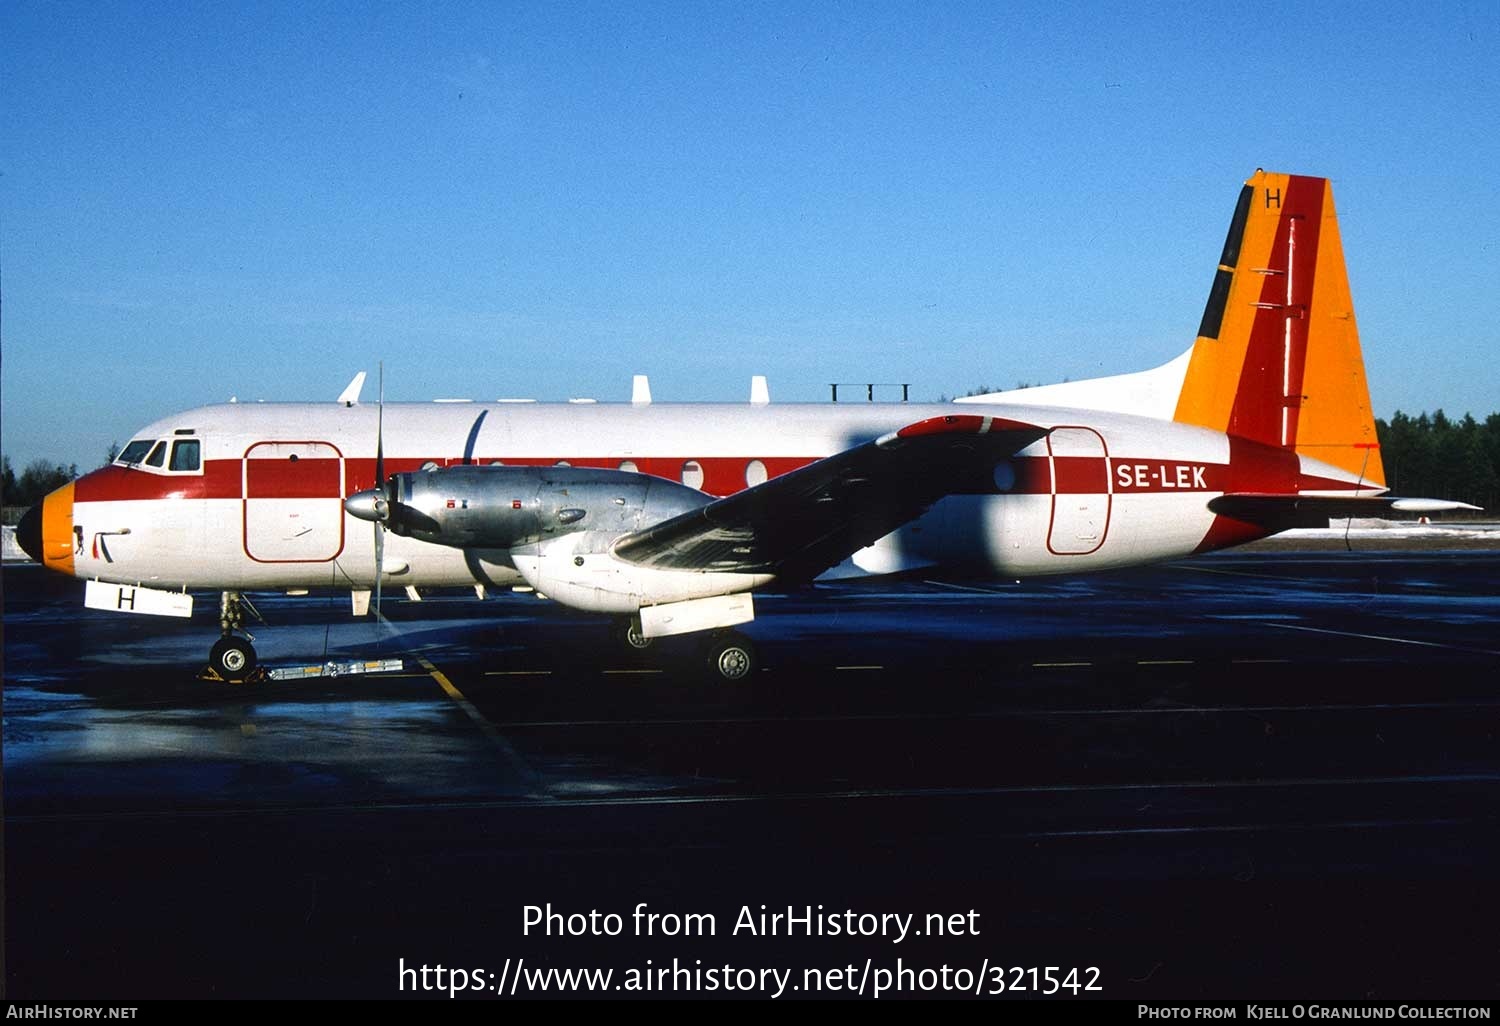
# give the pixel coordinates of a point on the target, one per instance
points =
(1285, 511)
(800, 524)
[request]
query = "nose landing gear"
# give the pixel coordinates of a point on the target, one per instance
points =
(232, 660)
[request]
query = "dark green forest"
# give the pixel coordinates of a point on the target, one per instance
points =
(1434, 457)
(1429, 455)
(36, 480)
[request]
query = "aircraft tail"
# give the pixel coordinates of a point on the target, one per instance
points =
(1277, 358)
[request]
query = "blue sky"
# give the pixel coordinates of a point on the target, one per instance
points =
(504, 199)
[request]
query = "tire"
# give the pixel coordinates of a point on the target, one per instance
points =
(628, 633)
(232, 658)
(731, 657)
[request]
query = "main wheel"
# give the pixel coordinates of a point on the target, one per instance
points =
(731, 656)
(629, 633)
(232, 658)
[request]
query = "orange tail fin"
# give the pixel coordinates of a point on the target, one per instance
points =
(1277, 359)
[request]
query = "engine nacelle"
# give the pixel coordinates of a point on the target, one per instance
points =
(506, 507)
(580, 570)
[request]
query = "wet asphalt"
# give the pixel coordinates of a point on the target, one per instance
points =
(1254, 776)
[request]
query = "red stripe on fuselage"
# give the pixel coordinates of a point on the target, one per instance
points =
(722, 475)
(220, 480)
(1224, 532)
(1080, 475)
(284, 479)
(313, 478)
(1254, 467)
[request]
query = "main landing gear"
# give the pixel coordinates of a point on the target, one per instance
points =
(628, 633)
(731, 657)
(232, 659)
(728, 656)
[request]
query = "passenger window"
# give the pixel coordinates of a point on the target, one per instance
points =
(158, 455)
(185, 455)
(135, 451)
(692, 474)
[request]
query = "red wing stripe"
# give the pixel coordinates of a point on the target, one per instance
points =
(960, 423)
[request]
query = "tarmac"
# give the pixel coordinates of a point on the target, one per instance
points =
(1255, 775)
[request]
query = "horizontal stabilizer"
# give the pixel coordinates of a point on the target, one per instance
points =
(1282, 512)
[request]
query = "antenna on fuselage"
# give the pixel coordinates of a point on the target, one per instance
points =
(350, 395)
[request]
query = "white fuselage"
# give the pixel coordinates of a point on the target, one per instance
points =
(262, 509)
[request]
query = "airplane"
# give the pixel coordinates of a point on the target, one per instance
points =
(668, 517)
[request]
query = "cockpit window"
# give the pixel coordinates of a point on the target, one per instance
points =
(185, 455)
(135, 451)
(158, 455)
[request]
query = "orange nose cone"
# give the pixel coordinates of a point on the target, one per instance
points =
(58, 542)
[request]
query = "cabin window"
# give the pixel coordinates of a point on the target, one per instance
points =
(135, 451)
(158, 455)
(692, 474)
(185, 455)
(755, 473)
(629, 467)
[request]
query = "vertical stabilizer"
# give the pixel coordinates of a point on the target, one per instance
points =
(1277, 358)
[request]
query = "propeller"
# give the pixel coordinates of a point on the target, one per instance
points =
(374, 504)
(383, 502)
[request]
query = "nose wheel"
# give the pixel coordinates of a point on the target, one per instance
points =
(232, 659)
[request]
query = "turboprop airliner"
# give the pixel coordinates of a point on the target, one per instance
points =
(668, 517)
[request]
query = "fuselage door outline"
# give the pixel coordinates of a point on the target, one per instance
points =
(1082, 490)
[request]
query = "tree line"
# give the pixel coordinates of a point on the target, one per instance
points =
(1433, 456)
(37, 479)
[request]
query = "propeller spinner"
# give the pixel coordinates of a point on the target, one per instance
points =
(371, 505)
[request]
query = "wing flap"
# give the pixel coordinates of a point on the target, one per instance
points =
(799, 524)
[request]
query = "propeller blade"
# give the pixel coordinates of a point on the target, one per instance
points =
(379, 568)
(381, 506)
(380, 432)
